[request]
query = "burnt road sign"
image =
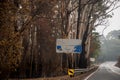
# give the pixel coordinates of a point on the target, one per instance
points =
(68, 46)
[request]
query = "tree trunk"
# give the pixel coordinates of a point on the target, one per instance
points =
(83, 59)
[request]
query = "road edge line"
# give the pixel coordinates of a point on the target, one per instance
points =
(91, 74)
(115, 72)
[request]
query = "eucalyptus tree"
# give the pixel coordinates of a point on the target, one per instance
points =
(97, 13)
(10, 43)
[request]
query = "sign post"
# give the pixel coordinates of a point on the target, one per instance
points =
(69, 46)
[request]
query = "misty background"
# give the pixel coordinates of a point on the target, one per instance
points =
(110, 46)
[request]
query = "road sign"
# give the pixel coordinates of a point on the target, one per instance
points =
(71, 72)
(92, 59)
(68, 46)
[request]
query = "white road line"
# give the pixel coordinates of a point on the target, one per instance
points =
(91, 75)
(114, 71)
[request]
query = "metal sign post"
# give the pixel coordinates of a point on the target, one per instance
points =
(69, 46)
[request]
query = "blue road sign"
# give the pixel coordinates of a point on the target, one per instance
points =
(78, 49)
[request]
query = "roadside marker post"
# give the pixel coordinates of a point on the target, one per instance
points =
(71, 72)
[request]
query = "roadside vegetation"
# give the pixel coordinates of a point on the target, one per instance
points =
(118, 63)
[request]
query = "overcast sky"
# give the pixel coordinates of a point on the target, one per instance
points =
(114, 23)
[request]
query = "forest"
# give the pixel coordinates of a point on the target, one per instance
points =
(29, 29)
(110, 47)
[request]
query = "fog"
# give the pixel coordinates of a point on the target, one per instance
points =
(110, 46)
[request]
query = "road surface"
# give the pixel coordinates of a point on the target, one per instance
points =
(106, 71)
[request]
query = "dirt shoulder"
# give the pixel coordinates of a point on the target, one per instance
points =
(81, 76)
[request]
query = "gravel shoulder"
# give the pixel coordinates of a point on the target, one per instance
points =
(81, 76)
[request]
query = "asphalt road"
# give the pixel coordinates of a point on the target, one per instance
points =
(106, 71)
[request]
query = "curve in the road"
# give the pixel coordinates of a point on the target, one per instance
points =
(106, 71)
